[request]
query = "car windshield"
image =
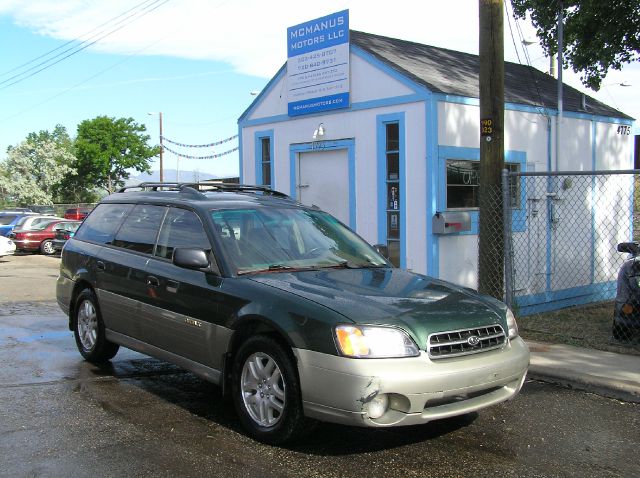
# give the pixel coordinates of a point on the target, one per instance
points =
(7, 219)
(285, 239)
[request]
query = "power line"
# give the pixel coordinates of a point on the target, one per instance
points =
(74, 40)
(132, 18)
(541, 108)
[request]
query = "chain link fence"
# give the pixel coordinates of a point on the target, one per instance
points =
(561, 236)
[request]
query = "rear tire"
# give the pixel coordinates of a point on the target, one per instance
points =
(88, 329)
(46, 247)
(266, 391)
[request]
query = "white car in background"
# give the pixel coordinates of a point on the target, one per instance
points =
(7, 246)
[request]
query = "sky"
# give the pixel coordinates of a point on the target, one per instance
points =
(199, 61)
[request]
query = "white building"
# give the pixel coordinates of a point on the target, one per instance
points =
(407, 146)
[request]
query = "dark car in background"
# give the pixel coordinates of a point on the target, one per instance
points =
(292, 313)
(63, 232)
(626, 314)
(34, 240)
(77, 213)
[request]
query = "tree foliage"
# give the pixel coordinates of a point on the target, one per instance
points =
(598, 35)
(106, 148)
(33, 169)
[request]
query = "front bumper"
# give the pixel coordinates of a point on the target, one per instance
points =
(338, 389)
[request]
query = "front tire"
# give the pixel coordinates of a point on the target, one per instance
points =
(88, 329)
(266, 391)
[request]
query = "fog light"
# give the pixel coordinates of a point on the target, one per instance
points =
(627, 309)
(377, 407)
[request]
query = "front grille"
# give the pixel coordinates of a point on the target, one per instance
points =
(465, 342)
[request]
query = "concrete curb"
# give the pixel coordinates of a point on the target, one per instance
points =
(608, 374)
(606, 387)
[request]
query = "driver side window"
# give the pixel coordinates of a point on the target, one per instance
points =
(181, 228)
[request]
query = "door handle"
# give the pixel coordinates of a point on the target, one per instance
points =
(172, 286)
(153, 281)
(100, 265)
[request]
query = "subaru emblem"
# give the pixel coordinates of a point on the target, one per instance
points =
(473, 340)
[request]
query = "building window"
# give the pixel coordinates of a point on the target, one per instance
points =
(265, 159)
(392, 156)
(463, 184)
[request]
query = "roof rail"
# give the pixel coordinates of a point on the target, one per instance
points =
(199, 187)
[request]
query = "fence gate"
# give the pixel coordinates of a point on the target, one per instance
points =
(561, 236)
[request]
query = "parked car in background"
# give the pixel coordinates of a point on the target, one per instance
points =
(8, 220)
(626, 314)
(34, 221)
(33, 240)
(7, 246)
(77, 213)
(64, 231)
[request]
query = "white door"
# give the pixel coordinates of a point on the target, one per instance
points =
(323, 181)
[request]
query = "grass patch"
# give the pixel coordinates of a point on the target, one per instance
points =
(582, 326)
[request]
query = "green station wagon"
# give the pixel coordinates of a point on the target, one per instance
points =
(288, 310)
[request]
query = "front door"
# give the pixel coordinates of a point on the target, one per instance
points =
(323, 181)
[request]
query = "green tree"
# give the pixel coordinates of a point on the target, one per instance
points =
(33, 170)
(106, 148)
(598, 35)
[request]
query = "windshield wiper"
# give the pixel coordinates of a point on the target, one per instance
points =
(351, 265)
(273, 268)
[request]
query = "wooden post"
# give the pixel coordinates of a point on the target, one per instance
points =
(491, 247)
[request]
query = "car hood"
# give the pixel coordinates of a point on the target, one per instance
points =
(386, 296)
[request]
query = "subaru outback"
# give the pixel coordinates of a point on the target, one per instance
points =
(294, 315)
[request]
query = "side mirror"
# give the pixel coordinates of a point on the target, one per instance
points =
(383, 250)
(190, 258)
(629, 247)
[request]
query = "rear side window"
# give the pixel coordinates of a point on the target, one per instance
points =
(181, 228)
(101, 225)
(140, 229)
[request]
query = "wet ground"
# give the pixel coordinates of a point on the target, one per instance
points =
(61, 416)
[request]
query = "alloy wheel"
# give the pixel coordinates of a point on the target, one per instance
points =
(87, 324)
(263, 389)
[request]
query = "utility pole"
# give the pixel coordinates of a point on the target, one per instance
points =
(161, 148)
(491, 247)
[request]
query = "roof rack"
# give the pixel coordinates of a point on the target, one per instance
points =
(199, 187)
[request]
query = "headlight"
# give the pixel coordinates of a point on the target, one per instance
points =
(512, 325)
(374, 342)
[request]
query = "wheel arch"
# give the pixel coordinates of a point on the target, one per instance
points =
(79, 286)
(249, 326)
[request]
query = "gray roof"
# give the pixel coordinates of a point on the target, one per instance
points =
(457, 73)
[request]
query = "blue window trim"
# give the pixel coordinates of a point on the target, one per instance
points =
(349, 145)
(432, 180)
(473, 154)
(381, 122)
(258, 137)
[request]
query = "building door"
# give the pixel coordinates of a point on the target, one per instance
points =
(323, 181)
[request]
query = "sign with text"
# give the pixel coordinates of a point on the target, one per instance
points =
(318, 64)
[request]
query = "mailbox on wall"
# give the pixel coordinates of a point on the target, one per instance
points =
(451, 222)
